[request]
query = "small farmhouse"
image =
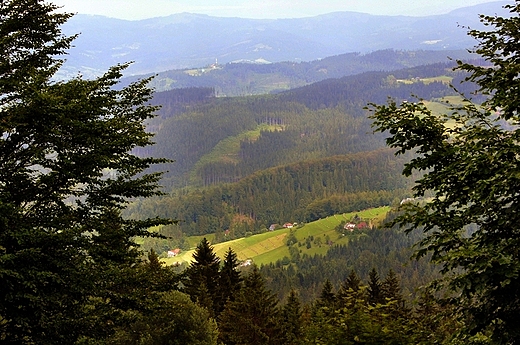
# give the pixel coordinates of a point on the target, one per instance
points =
(362, 225)
(173, 253)
(247, 262)
(350, 226)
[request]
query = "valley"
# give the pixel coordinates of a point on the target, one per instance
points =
(344, 178)
(246, 165)
(272, 246)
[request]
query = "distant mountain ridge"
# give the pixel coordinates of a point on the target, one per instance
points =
(241, 79)
(192, 40)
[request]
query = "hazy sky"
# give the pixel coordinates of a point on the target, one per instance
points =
(140, 9)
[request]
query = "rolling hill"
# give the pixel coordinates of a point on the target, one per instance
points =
(225, 139)
(244, 163)
(269, 247)
(243, 79)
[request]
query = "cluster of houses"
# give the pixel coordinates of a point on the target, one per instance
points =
(285, 226)
(353, 226)
(350, 226)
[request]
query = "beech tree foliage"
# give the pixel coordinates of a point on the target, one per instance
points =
(66, 171)
(470, 160)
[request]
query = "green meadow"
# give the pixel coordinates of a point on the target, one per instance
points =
(271, 246)
(227, 150)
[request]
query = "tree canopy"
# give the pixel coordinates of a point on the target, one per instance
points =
(66, 172)
(469, 160)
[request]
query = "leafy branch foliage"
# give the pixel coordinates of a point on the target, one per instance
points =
(472, 168)
(68, 259)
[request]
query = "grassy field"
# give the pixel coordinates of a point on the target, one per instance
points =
(442, 106)
(271, 246)
(443, 79)
(227, 150)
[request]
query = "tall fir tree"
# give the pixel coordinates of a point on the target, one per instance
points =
(230, 279)
(392, 297)
(390, 288)
(327, 296)
(352, 282)
(253, 318)
(202, 277)
(350, 291)
(292, 320)
(374, 293)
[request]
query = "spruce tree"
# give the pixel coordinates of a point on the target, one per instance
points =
(391, 296)
(230, 279)
(327, 296)
(374, 292)
(253, 318)
(390, 288)
(203, 277)
(292, 327)
(155, 276)
(352, 282)
(350, 290)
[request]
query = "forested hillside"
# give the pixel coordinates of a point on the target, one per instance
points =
(242, 78)
(226, 139)
(242, 164)
(299, 192)
(382, 249)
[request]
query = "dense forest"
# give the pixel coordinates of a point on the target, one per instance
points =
(244, 163)
(369, 307)
(225, 139)
(383, 249)
(298, 192)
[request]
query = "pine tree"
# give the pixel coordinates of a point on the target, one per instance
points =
(203, 277)
(327, 296)
(230, 279)
(390, 288)
(156, 276)
(392, 297)
(374, 292)
(352, 282)
(350, 290)
(253, 318)
(292, 327)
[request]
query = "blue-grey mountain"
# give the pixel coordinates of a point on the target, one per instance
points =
(193, 40)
